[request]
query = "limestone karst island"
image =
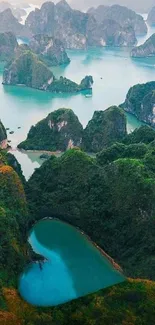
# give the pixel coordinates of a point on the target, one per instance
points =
(77, 162)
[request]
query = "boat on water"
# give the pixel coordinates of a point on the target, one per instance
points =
(88, 95)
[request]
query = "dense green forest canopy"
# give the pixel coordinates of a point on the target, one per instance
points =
(110, 197)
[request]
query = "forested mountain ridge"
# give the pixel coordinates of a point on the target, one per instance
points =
(88, 193)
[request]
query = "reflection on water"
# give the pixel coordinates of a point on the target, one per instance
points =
(54, 272)
(28, 161)
(74, 266)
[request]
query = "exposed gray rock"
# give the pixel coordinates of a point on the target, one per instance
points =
(141, 6)
(8, 23)
(146, 49)
(49, 49)
(151, 17)
(3, 136)
(16, 10)
(27, 70)
(60, 130)
(78, 30)
(110, 33)
(140, 101)
(8, 44)
(122, 15)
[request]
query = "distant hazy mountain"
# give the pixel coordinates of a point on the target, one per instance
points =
(138, 5)
(79, 30)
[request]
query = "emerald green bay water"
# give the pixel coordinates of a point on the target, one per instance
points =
(24, 107)
(74, 266)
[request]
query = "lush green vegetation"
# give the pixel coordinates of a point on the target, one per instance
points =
(27, 69)
(116, 205)
(64, 85)
(3, 134)
(49, 49)
(144, 134)
(129, 303)
(13, 219)
(105, 128)
(60, 130)
(120, 150)
(86, 83)
(110, 197)
(139, 102)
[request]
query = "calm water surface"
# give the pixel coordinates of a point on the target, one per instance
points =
(24, 107)
(75, 267)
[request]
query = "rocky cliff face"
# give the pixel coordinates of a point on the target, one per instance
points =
(105, 128)
(49, 49)
(60, 130)
(3, 137)
(151, 17)
(26, 69)
(86, 83)
(110, 33)
(78, 30)
(8, 44)
(140, 101)
(17, 12)
(145, 50)
(122, 15)
(8, 23)
(42, 21)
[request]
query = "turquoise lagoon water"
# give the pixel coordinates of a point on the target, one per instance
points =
(74, 266)
(25, 107)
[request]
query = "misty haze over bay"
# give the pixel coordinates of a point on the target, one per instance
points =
(139, 5)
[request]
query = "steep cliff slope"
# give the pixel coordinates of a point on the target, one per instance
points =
(60, 130)
(105, 128)
(145, 50)
(78, 30)
(140, 101)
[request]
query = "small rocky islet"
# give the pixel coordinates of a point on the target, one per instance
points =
(26, 69)
(60, 130)
(104, 129)
(30, 68)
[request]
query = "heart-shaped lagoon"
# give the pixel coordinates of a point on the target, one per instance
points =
(74, 266)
